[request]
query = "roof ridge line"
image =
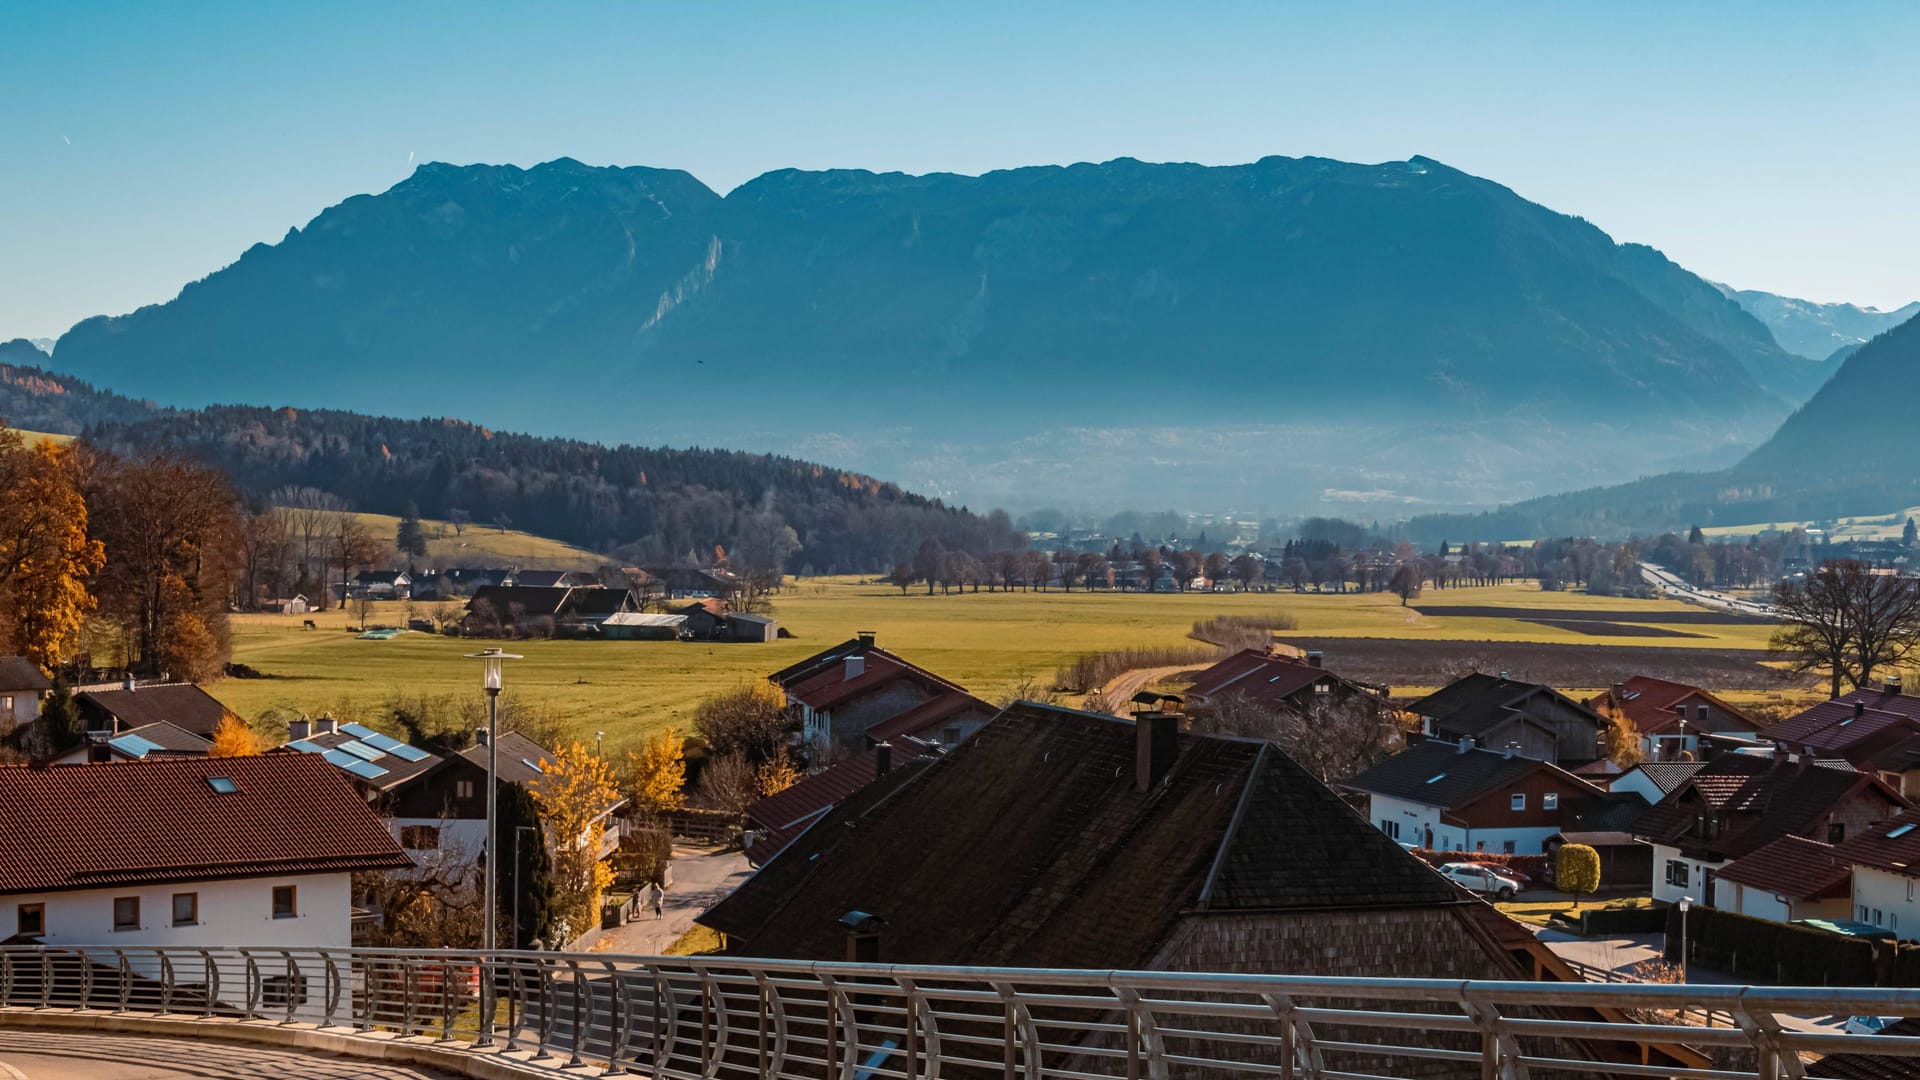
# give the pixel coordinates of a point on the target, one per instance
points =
(1233, 825)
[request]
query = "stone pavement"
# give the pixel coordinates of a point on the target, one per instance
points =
(701, 877)
(63, 1055)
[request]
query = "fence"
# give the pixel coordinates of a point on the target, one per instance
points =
(708, 1018)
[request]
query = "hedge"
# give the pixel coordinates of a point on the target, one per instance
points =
(1622, 920)
(1770, 952)
(1537, 867)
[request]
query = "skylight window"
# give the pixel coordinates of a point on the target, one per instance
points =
(222, 785)
(532, 765)
(1436, 778)
(1901, 831)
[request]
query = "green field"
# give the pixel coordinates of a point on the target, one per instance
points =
(485, 545)
(989, 642)
(1871, 527)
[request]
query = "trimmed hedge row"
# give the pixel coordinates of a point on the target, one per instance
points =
(1537, 867)
(1770, 952)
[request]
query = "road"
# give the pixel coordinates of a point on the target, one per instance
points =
(67, 1055)
(701, 877)
(1119, 691)
(1674, 586)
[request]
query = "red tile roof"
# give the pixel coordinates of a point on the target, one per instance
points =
(1850, 727)
(117, 823)
(830, 686)
(1792, 866)
(1649, 703)
(926, 714)
(1880, 849)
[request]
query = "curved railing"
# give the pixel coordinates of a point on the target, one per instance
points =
(701, 1018)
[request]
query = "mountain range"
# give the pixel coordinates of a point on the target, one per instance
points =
(1816, 331)
(1290, 333)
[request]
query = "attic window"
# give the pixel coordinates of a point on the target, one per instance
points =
(1899, 832)
(1436, 778)
(222, 785)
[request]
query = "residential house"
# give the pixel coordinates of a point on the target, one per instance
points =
(129, 705)
(381, 585)
(22, 687)
(1606, 825)
(466, 580)
(1871, 1063)
(1456, 797)
(1654, 780)
(635, 626)
(201, 852)
(1064, 839)
(839, 693)
(442, 812)
(774, 821)
(1497, 712)
(144, 743)
(741, 626)
(296, 604)
(1885, 865)
(1787, 879)
(705, 618)
(1272, 681)
(376, 764)
(1876, 729)
(946, 720)
(1671, 716)
(542, 611)
(692, 582)
(1739, 803)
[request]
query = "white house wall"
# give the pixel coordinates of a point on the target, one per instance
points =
(1696, 875)
(1887, 900)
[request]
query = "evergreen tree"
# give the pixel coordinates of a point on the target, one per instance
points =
(60, 718)
(516, 809)
(1909, 534)
(409, 537)
(1696, 536)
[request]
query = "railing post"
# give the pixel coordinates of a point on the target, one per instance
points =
(489, 995)
(329, 988)
(295, 980)
(582, 1014)
(620, 1022)
(1762, 1029)
(166, 983)
(1141, 1026)
(252, 1004)
(124, 972)
(212, 972)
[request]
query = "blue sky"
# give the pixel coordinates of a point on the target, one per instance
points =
(144, 145)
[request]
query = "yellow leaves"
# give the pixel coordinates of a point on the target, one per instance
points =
(46, 555)
(775, 776)
(233, 738)
(657, 774)
(573, 790)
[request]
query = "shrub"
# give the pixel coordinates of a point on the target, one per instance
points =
(1576, 870)
(1236, 632)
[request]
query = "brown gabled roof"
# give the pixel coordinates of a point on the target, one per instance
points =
(830, 686)
(1755, 801)
(1892, 845)
(780, 817)
(19, 673)
(369, 766)
(1263, 678)
(170, 738)
(1854, 729)
(1649, 702)
(925, 715)
(183, 705)
(519, 758)
(1030, 844)
(119, 823)
(1792, 866)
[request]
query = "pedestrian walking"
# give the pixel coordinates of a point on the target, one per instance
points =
(659, 902)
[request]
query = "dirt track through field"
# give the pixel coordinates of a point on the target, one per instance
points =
(1120, 689)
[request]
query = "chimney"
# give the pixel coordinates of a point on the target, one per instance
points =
(130, 685)
(1156, 743)
(863, 936)
(1619, 692)
(299, 729)
(1859, 709)
(856, 665)
(1466, 743)
(1314, 657)
(326, 725)
(1891, 687)
(883, 759)
(866, 638)
(1511, 749)
(479, 736)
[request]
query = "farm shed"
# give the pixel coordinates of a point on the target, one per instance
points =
(635, 626)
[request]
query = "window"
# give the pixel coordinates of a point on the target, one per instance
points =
(32, 919)
(186, 908)
(950, 736)
(1909, 888)
(1836, 832)
(1876, 917)
(1550, 801)
(6, 704)
(222, 785)
(126, 913)
(283, 902)
(420, 837)
(1863, 913)
(1701, 712)
(1479, 845)
(1677, 873)
(1507, 846)
(1390, 827)
(463, 789)
(1518, 800)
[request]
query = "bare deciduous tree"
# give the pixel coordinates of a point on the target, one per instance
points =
(1335, 741)
(1847, 621)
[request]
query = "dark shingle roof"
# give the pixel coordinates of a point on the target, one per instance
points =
(1264, 678)
(1871, 1066)
(1668, 775)
(518, 760)
(290, 814)
(926, 714)
(20, 673)
(170, 737)
(1792, 866)
(1436, 773)
(1755, 802)
(1030, 844)
(1472, 704)
(395, 769)
(1880, 849)
(183, 705)
(780, 817)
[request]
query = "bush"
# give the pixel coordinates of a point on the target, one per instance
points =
(1766, 951)
(1235, 632)
(1576, 870)
(1537, 867)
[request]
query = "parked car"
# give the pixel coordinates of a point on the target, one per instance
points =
(1525, 881)
(1475, 877)
(1869, 1025)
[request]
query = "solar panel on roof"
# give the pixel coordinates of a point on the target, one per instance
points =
(360, 750)
(305, 747)
(389, 744)
(358, 731)
(134, 745)
(364, 769)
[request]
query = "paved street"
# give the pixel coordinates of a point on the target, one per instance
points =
(48, 1055)
(701, 877)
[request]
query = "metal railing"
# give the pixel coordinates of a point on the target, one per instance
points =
(700, 1018)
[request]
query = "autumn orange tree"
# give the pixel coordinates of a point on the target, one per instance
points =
(46, 556)
(233, 738)
(574, 791)
(657, 775)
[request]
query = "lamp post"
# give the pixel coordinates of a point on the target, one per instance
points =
(1685, 903)
(490, 663)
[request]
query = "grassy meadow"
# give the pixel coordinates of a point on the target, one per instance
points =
(485, 545)
(989, 642)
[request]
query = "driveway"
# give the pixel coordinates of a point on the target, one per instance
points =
(71, 1055)
(701, 878)
(1621, 953)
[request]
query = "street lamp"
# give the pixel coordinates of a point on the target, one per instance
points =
(490, 663)
(1685, 903)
